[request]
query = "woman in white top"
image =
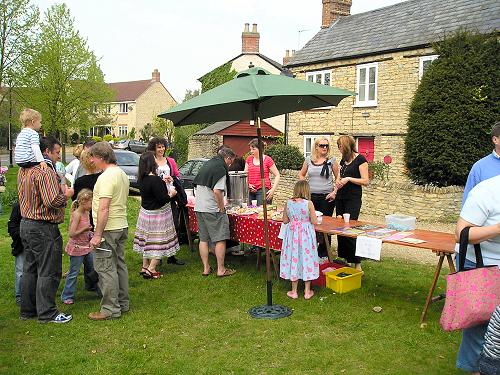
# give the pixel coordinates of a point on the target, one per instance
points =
(73, 165)
(322, 170)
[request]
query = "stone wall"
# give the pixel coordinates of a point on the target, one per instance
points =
(203, 146)
(427, 203)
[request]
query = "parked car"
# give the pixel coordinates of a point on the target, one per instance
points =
(131, 145)
(128, 161)
(189, 170)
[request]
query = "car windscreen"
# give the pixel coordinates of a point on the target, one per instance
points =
(127, 159)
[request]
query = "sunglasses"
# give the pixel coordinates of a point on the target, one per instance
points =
(324, 146)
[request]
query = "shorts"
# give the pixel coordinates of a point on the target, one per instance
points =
(212, 226)
(489, 366)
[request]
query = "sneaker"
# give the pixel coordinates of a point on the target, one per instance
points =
(61, 318)
(68, 302)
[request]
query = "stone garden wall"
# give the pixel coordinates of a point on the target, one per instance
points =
(427, 203)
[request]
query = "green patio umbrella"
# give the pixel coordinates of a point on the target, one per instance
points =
(256, 94)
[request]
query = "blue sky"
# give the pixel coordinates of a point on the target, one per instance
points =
(186, 39)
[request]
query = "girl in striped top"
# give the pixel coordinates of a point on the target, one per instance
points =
(489, 362)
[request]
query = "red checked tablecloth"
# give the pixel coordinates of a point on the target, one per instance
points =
(247, 229)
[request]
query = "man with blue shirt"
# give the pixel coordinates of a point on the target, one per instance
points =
(487, 167)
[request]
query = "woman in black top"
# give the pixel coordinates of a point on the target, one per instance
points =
(353, 175)
(155, 235)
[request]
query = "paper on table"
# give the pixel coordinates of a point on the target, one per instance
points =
(397, 236)
(411, 240)
(368, 247)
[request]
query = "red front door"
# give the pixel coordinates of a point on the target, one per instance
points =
(366, 147)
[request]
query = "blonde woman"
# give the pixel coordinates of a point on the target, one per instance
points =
(73, 165)
(353, 175)
(322, 170)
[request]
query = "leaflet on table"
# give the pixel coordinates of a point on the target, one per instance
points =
(366, 227)
(368, 247)
(398, 236)
(349, 230)
(412, 240)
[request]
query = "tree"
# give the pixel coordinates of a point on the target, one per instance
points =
(453, 110)
(190, 94)
(63, 79)
(18, 21)
(163, 128)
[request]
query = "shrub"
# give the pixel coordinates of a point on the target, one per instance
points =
(453, 110)
(96, 138)
(74, 138)
(181, 141)
(107, 138)
(286, 156)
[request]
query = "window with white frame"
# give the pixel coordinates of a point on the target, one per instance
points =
(94, 108)
(366, 85)
(424, 63)
(123, 107)
(108, 108)
(323, 77)
(122, 131)
(309, 143)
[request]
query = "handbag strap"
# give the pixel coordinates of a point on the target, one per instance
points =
(464, 242)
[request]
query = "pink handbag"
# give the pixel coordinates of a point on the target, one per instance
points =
(471, 295)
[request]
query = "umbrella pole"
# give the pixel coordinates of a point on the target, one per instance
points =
(268, 311)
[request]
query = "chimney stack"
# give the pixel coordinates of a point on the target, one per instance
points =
(288, 56)
(334, 9)
(155, 76)
(250, 39)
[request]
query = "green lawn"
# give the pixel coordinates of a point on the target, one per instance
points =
(188, 324)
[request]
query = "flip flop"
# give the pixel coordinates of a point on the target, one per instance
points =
(309, 295)
(227, 272)
(292, 295)
(144, 270)
(209, 272)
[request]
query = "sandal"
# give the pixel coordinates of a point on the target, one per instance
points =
(209, 272)
(227, 272)
(147, 274)
(144, 271)
(292, 295)
(309, 295)
(155, 275)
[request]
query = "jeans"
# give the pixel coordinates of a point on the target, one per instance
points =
(113, 273)
(75, 262)
(472, 339)
(19, 264)
(258, 196)
(42, 270)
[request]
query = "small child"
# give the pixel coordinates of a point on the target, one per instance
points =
(489, 361)
(27, 152)
(80, 234)
(299, 253)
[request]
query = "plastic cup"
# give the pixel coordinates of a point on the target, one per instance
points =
(320, 219)
(254, 202)
(347, 217)
(244, 205)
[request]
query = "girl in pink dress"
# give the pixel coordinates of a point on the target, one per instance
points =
(299, 253)
(80, 233)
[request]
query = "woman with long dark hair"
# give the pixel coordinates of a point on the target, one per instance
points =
(155, 235)
(353, 175)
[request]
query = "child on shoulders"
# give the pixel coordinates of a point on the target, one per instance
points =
(299, 253)
(27, 152)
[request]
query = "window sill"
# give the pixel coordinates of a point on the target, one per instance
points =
(363, 105)
(320, 109)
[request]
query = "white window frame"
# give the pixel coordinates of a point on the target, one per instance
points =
(367, 102)
(321, 75)
(311, 139)
(122, 106)
(122, 130)
(108, 108)
(421, 62)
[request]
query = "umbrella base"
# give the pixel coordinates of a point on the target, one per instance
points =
(270, 312)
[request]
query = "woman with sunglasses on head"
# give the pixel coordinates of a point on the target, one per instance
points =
(353, 175)
(322, 170)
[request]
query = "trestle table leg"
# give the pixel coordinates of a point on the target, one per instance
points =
(433, 286)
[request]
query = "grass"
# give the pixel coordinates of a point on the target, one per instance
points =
(188, 324)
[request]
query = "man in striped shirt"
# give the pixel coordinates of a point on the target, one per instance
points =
(42, 204)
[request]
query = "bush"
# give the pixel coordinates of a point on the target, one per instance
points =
(74, 138)
(107, 138)
(454, 107)
(286, 156)
(96, 138)
(181, 141)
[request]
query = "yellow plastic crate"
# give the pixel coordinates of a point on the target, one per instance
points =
(346, 283)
